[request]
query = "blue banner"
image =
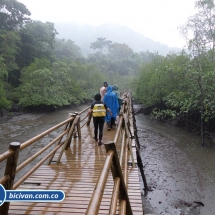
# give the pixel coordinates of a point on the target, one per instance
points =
(30, 195)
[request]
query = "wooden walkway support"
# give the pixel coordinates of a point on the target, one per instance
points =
(95, 179)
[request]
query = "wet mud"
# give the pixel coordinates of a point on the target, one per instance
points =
(171, 178)
(180, 179)
(179, 172)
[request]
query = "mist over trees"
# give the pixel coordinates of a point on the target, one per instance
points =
(40, 70)
(84, 34)
(181, 86)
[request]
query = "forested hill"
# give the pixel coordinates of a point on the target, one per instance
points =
(84, 35)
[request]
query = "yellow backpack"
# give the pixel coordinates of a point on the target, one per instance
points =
(99, 110)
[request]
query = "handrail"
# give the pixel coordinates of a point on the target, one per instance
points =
(10, 172)
(95, 202)
(119, 190)
(84, 110)
(6, 155)
(119, 178)
(116, 138)
(4, 179)
(139, 160)
(34, 139)
(35, 167)
(12, 153)
(116, 163)
(21, 166)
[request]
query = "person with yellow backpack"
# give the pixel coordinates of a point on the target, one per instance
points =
(98, 110)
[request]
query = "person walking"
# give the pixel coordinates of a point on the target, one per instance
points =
(116, 91)
(103, 90)
(111, 101)
(98, 109)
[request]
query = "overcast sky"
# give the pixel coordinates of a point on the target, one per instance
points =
(156, 19)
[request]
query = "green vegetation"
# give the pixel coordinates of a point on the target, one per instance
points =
(38, 70)
(181, 86)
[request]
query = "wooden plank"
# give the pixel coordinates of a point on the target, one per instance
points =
(77, 175)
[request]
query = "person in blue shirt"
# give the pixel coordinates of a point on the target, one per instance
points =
(111, 100)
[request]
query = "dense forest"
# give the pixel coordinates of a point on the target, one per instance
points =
(181, 86)
(39, 70)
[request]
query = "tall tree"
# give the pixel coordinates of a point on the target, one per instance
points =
(66, 49)
(9, 48)
(4, 102)
(199, 32)
(13, 14)
(101, 44)
(119, 51)
(43, 85)
(37, 42)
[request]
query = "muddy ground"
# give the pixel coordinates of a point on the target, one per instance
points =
(174, 188)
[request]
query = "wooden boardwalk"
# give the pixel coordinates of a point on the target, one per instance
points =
(76, 175)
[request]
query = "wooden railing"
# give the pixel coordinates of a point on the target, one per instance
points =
(71, 128)
(114, 162)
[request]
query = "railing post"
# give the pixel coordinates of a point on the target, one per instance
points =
(129, 103)
(128, 131)
(73, 133)
(140, 165)
(125, 104)
(51, 158)
(116, 137)
(139, 160)
(78, 126)
(122, 110)
(117, 172)
(10, 171)
(89, 119)
(95, 201)
(68, 138)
